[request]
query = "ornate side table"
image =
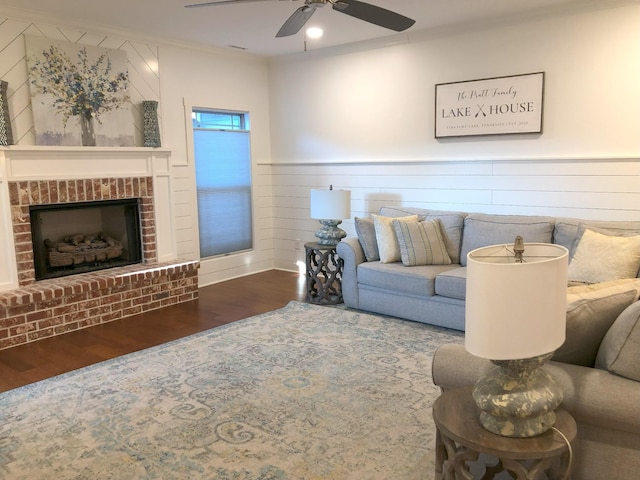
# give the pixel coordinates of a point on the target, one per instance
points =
(324, 274)
(461, 439)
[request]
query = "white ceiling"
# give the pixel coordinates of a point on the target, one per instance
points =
(253, 26)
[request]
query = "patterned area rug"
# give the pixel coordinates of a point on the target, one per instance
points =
(301, 393)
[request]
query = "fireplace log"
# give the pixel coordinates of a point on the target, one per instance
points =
(82, 248)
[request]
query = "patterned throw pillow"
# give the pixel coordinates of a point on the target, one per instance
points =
(421, 243)
(600, 258)
(388, 246)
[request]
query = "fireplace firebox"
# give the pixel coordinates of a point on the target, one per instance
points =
(80, 237)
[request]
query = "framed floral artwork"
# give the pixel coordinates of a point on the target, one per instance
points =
(79, 94)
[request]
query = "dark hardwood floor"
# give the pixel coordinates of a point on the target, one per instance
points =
(218, 304)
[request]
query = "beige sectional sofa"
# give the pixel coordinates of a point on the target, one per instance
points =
(599, 364)
(606, 407)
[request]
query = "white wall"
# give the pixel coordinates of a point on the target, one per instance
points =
(364, 120)
(198, 78)
(170, 74)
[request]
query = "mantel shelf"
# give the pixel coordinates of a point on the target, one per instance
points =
(37, 162)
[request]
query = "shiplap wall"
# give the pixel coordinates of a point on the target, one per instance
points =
(606, 189)
(305, 135)
(192, 78)
(364, 121)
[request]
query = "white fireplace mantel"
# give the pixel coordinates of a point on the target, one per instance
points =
(51, 163)
(25, 163)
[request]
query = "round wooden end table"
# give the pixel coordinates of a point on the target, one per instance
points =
(465, 450)
(324, 274)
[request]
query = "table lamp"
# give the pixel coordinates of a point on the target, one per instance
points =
(515, 316)
(330, 207)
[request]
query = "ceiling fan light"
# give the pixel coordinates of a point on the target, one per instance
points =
(314, 32)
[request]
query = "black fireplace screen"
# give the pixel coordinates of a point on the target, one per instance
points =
(70, 238)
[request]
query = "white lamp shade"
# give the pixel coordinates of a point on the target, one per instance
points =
(330, 204)
(516, 310)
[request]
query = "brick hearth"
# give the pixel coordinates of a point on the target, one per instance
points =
(57, 306)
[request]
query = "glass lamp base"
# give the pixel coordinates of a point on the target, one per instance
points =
(518, 398)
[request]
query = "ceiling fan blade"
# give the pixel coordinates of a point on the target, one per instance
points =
(222, 2)
(372, 14)
(296, 21)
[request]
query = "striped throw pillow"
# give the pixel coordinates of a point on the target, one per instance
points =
(421, 243)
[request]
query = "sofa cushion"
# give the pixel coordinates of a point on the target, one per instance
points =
(619, 351)
(388, 246)
(599, 258)
(567, 231)
(611, 230)
(451, 231)
(397, 212)
(366, 232)
(591, 310)
(481, 230)
(395, 277)
(452, 283)
(421, 243)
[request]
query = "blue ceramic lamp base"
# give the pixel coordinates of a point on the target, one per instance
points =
(330, 234)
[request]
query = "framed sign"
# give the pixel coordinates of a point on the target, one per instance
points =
(491, 106)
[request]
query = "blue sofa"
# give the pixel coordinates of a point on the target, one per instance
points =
(435, 294)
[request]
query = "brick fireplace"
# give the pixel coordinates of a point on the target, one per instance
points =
(47, 192)
(32, 310)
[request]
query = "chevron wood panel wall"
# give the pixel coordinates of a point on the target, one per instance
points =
(142, 65)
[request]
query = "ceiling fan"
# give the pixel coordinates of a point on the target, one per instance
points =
(361, 10)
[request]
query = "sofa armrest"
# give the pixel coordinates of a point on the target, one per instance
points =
(454, 367)
(351, 252)
(591, 395)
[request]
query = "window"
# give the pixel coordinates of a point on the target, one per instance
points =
(223, 181)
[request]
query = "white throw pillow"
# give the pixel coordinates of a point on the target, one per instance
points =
(600, 258)
(388, 247)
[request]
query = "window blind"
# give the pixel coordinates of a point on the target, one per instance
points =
(223, 182)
